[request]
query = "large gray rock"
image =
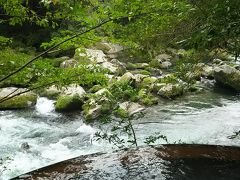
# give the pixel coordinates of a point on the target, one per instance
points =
(51, 92)
(127, 78)
(90, 55)
(98, 104)
(73, 89)
(25, 100)
(127, 109)
(170, 90)
(227, 75)
(110, 66)
(162, 61)
(163, 57)
(70, 63)
(108, 48)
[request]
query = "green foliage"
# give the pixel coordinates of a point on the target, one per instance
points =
(4, 41)
(10, 60)
(123, 91)
(217, 26)
(147, 98)
(172, 78)
(187, 67)
(150, 140)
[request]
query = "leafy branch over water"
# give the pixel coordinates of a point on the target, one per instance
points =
(125, 128)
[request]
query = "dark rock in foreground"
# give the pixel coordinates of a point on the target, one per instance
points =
(195, 162)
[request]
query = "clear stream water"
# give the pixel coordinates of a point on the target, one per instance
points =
(207, 118)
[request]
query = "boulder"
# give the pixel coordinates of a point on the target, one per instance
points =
(25, 100)
(127, 78)
(154, 71)
(218, 61)
(228, 76)
(141, 71)
(133, 66)
(98, 104)
(170, 90)
(165, 65)
(114, 68)
(70, 99)
(73, 89)
(68, 103)
(148, 82)
(146, 98)
(161, 61)
(139, 78)
(208, 71)
(163, 57)
(110, 66)
(108, 48)
(121, 66)
(127, 109)
(95, 88)
(51, 92)
(90, 56)
(70, 63)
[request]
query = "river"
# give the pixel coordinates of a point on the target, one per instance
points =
(206, 118)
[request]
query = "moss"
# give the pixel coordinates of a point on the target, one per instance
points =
(99, 104)
(146, 98)
(106, 107)
(154, 64)
(148, 82)
(50, 94)
(144, 72)
(68, 103)
(95, 88)
(19, 102)
(171, 91)
(127, 78)
(131, 66)
(154, 70)
(121, 113)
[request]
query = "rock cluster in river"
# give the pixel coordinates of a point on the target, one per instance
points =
(132, 85)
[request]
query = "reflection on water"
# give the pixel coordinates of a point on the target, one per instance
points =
(205, 118)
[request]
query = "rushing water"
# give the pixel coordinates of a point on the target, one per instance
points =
(204, 118)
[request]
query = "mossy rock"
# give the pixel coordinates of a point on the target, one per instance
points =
(141, 71)
(154, 63)
(98, 104)
(51, 93)
(22, 101)
(128, 109)
(68, 103)
(148, 82)
(147, 98)
(171, 90)
(127, 78)
(155, 71)
(121, 113)
(19, 102)
(91, 111)
(131, 66)
(95, 88)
